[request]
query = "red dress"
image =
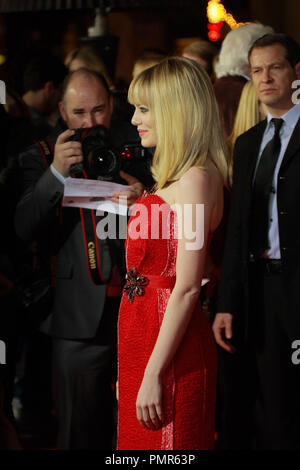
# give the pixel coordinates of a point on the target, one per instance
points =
(190, 379)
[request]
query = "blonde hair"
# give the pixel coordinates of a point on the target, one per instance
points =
(247, 116)
(91, 60)
(185, 115)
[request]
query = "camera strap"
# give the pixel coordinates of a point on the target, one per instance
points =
(97, 252)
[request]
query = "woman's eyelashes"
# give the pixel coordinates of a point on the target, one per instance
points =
(143, 109)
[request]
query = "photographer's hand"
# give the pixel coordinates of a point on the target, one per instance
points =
(130, 195)
(66, 153)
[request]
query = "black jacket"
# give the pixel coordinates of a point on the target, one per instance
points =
(78, 304)
(233, 293)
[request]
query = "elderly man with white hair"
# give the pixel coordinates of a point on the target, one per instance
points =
(232, 69)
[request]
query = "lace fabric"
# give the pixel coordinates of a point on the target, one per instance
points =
(190, 379)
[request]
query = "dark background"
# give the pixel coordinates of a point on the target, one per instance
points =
(136, 28)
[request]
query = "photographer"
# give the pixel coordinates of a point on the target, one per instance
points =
(83, 319)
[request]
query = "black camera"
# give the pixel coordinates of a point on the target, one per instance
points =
(105, 154)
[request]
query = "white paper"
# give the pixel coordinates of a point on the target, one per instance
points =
(93, 194)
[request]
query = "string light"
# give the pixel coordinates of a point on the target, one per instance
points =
(215, 11)
(217, 14)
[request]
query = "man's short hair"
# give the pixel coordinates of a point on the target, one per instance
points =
(233, 57)
(42, 69)
(85, 73)
(292, 48)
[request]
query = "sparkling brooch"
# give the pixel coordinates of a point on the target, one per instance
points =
(135, 284)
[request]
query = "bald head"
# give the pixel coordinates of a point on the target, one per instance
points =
(86, 100)
(84, 73)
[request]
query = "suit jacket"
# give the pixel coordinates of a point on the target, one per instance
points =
(233, 293)
(78, 303)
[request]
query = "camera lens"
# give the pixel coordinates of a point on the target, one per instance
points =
(103, 163)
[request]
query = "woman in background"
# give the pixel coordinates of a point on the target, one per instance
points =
(250, 111)
(167, 355)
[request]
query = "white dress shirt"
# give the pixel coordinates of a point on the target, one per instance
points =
(290, 120)
(58, 175)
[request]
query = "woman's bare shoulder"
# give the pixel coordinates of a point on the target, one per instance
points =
(193, 186)
(200, 177)
(194, 175)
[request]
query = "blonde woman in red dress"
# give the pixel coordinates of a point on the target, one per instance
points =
(167, 354)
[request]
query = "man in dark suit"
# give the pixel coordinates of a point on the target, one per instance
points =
(84, 315)
(259, 300)
(232, 70)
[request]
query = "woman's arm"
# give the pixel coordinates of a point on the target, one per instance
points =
(194, 188)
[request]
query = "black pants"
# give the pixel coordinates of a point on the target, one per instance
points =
(236, 393)
(83, 374)
(277, 410)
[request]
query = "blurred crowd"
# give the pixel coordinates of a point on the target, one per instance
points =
(54, 98)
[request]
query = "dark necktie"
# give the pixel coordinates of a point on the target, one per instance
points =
(262, 188)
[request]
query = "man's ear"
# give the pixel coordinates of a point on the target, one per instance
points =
(297, 70)
(62, 110)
